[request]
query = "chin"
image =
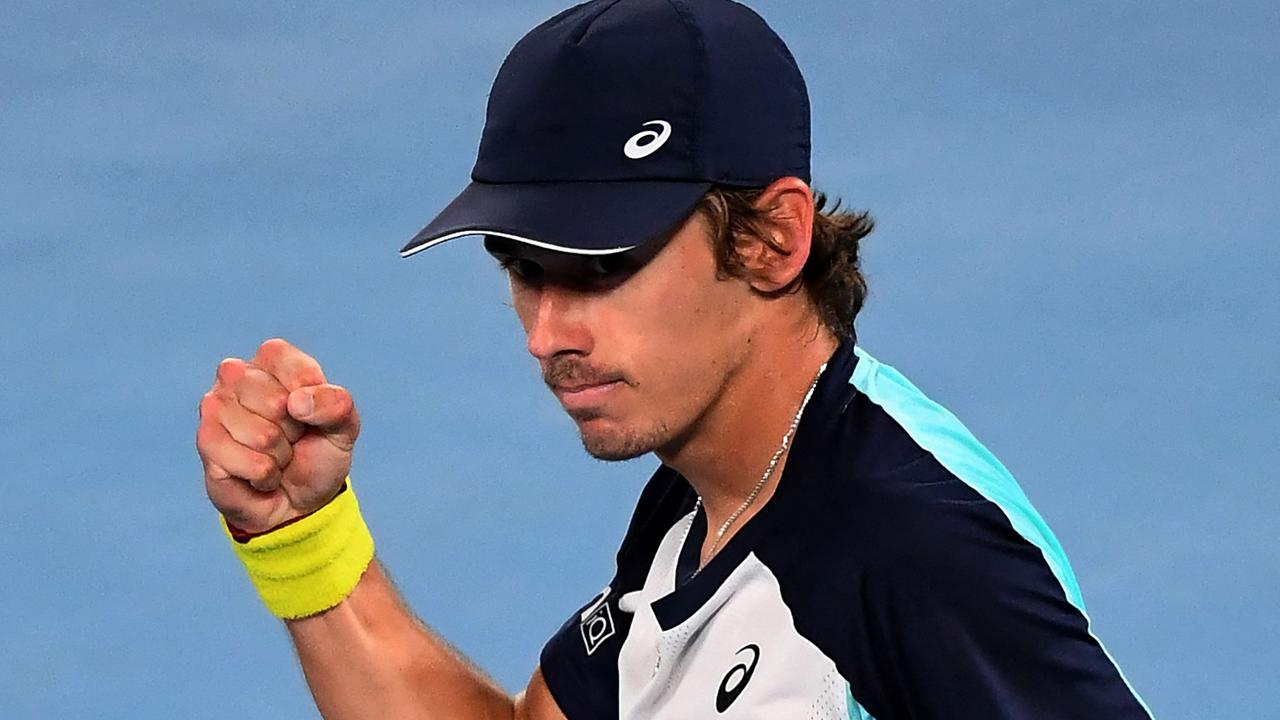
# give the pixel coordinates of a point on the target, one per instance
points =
(615, 443)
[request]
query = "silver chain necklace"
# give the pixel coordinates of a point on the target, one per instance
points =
(764, 479)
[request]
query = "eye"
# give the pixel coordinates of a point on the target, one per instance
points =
(526, 270)
(604, 266)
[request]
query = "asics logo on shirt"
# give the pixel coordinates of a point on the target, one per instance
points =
(736, 680)
(646, 142)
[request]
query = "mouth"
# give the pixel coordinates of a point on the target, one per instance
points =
(584, 395)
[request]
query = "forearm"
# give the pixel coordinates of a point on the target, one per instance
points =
(368, 657)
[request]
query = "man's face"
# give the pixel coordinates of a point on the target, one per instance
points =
(637, 346)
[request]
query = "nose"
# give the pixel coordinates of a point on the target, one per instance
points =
(557, 323)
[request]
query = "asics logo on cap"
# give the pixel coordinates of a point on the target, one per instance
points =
(646, 142)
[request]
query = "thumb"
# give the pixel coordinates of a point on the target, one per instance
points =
(328, 407)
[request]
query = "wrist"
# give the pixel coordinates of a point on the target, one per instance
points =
(244, 536)
(309, 564)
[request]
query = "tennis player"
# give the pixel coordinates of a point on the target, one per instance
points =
(820, 540)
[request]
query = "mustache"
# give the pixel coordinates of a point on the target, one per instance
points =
(561, 371)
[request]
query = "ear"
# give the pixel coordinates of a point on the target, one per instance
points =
(788, 213)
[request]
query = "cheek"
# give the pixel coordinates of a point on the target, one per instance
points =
(524, 301)
(692, 336)
(709, 316)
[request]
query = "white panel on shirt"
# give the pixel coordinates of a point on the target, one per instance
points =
(683, 672)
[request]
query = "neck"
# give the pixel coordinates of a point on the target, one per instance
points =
(725, 453)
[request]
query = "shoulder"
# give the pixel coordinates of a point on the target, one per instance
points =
(891, 468)
(918, 563)
(894, 500)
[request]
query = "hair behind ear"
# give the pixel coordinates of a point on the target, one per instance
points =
(832, 275)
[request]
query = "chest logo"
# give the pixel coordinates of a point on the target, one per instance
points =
(646, 142)
(737, 678)
(596, 622)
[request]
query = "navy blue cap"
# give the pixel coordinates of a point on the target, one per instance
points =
(608, 122)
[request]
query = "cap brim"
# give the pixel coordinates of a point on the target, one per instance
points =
(583, 218)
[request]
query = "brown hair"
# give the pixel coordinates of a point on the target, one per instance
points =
(831, 275)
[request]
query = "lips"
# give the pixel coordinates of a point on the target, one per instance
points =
(578, 387)
(583, 395)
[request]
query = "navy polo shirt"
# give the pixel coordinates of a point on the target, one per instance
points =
(897, 572)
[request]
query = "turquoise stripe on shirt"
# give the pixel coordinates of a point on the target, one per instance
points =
(936, 430)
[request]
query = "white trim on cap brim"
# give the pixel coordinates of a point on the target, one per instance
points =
(517, 238)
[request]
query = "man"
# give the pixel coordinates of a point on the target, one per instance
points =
(820, 541)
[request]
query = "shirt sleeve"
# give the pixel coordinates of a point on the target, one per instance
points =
(580, 661)
(964, 618)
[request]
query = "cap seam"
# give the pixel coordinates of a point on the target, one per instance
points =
(577, 39)
(700, 81)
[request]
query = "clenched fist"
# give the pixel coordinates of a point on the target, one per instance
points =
(275, 438)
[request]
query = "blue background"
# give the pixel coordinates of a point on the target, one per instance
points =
(1076, 254)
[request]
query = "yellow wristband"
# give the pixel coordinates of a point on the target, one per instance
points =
(310, 565)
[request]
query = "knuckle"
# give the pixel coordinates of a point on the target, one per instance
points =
(273, 349)
(209, 404)
(214, 471)
(269, 437)
(226, 367)
(214, 454)
(275, 344)
(276, 404)
(261, 467)
(205, 437)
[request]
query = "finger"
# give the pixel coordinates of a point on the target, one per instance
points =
(243, 506)
(292, 367)
(324, 406)
(214, 472)
(218, 447)
(260, 393)
(230, 494)
(256, 432)
(230, 371)
(330, 408)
